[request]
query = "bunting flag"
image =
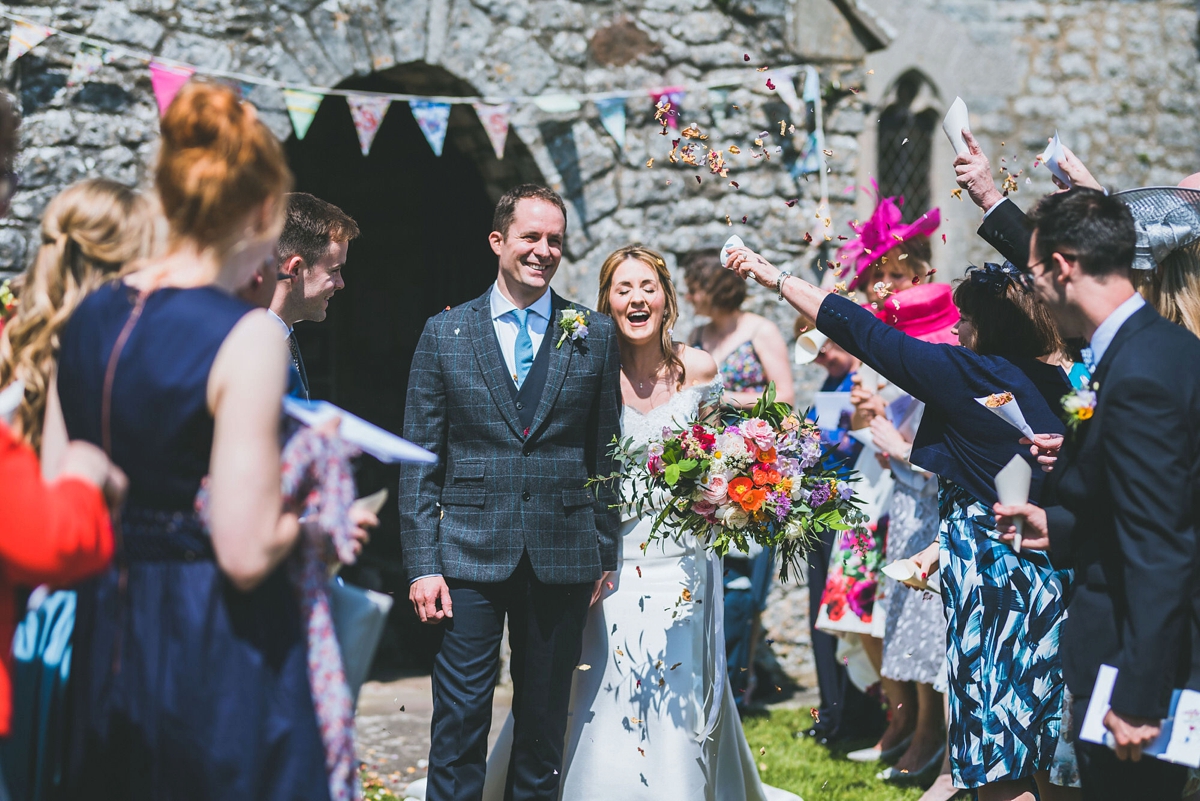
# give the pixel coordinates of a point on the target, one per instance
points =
(495, 122)
(167, 80)
(434, 119)
(368, 112)
(557, 104)
(24, 37)
(88, 61)
(612, 117)
(302, 108)
(787, 93)
(812, 85)
(673, 95)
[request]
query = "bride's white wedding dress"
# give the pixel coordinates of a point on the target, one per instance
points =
(652, 713)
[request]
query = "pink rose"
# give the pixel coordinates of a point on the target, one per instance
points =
(704, 509)
(760, 431)
(716, 491)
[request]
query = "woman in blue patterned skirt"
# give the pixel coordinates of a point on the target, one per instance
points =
(1004, 608)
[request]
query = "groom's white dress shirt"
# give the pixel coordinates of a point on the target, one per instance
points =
(287, 329)
(507, 327)
(1104, 333)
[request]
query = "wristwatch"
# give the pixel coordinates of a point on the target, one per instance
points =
(783, 276)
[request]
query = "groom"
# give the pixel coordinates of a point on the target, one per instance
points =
(505, 524)
(1126, 481)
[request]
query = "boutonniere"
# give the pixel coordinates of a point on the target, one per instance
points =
(1080, 405)
(573, 324)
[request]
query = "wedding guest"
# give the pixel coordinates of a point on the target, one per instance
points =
(913, 649)
(1004, 609)
(311, 256)
(191, 662)
(748, 348)
(1005, 227)
(845, 711)
(90, 232)
(888, 255)
(1125, 482)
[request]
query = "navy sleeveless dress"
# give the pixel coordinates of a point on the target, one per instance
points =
(183, 687)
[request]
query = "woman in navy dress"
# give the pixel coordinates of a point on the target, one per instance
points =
(190, 677)
(1004, 609)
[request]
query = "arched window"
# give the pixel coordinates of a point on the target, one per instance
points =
(905, 143)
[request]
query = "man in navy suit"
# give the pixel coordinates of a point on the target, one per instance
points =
(505, 525)
(1125, 480)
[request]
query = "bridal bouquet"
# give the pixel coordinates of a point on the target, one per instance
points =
(749, 477)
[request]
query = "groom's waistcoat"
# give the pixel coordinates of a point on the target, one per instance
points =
(513, 464)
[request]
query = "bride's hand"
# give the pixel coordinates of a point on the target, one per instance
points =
(748, 264)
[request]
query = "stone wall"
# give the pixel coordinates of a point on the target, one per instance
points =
(108, 126)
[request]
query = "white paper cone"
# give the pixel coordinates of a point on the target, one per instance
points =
(1051, 157)
(1009, 413)
(1012, 488)
(906, 572)
(869, 379)
(732, 242)
(956, 120)
(808, 345)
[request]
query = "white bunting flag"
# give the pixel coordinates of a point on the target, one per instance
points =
(24, 37)
(88, 61)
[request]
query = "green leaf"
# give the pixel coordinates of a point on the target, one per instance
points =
(671, 474)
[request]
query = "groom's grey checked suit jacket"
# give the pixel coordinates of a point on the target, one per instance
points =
(504, 486)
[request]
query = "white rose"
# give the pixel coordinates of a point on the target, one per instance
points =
(736, 517)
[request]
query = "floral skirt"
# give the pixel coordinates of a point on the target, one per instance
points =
(1004, 611)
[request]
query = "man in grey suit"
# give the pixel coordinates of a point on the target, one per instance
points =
(505, 524)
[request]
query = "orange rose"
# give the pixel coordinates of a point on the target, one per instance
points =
(1084, 413)
(764, 476)
(739, 487)
(753, 499)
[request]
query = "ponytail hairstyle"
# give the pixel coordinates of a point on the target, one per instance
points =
(656, 263)
(90, 232)
(218, 163)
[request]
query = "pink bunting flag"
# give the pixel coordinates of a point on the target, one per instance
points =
(368, 112)
(167, 80)
(495, 122)
(673, 95)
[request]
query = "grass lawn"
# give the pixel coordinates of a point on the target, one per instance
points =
(812, 771)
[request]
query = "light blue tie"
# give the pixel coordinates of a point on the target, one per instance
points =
(523, 351)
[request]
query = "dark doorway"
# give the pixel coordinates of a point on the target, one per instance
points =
(425, 222)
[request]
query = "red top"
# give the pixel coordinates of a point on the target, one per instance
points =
(50, 533)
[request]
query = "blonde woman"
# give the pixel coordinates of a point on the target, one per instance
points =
(656, 677)
(90, 232)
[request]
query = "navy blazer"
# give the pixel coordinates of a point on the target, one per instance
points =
(1127, 482)
(502, 487)
(1008, 230)
(959, 438)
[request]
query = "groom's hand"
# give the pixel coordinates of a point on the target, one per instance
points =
(425, 594)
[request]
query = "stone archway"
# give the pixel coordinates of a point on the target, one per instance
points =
(425, 221)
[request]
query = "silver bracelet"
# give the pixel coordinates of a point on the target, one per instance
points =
(783, 276)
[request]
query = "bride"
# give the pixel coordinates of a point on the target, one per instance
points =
(652, 713)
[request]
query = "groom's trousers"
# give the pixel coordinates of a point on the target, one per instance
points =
(545, 631)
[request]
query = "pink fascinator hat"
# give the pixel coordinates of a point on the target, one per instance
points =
(883, 231)
(926, 311)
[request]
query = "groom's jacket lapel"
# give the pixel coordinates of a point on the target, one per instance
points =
(491, 364)
(556, 371)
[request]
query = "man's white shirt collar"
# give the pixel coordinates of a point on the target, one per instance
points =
(502, 305)
(1108, 329)
(287, 329)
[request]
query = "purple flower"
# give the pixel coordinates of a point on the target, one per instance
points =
(820, 494)
(789, 466)
(783, 505)
(580, 332)
(810, 454)
(845, 491)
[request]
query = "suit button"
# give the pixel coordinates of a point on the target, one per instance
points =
(526, 452)
(520, 406)
(525, 495)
